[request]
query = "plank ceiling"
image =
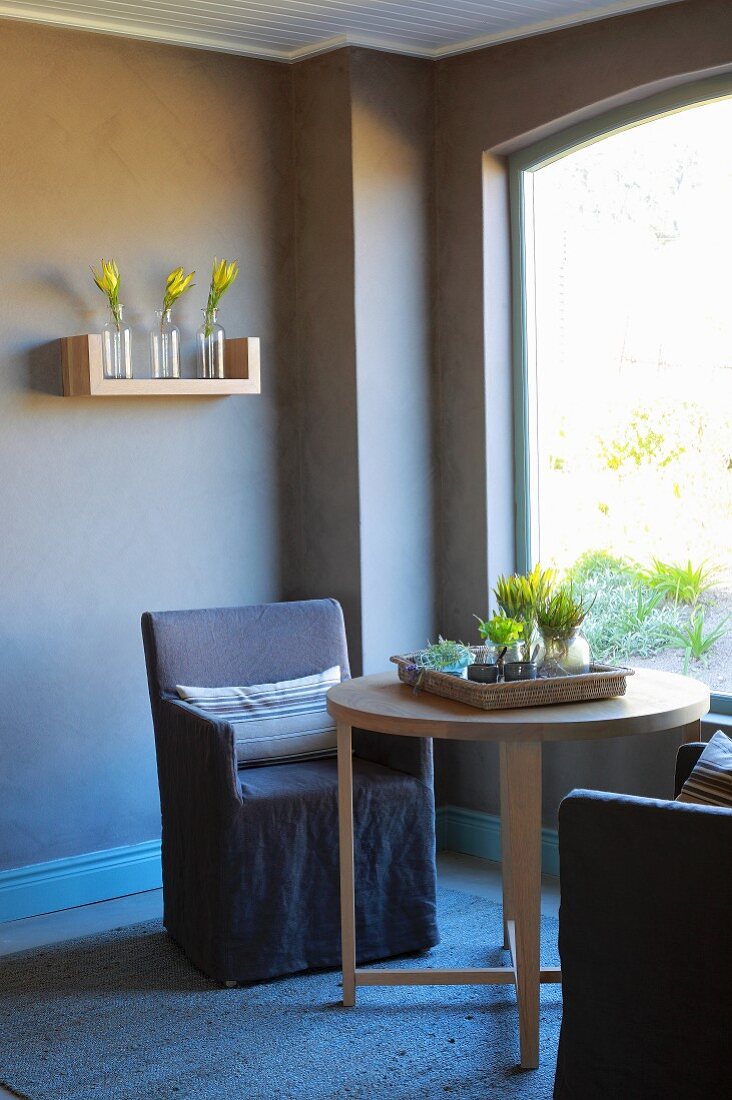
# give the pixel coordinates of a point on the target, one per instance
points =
(290, 29)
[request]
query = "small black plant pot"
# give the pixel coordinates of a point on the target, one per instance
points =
(483, 674)
(520, 670)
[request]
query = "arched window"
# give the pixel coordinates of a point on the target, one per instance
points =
(623, 292)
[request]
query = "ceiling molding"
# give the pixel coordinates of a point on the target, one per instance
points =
(119, 29)
(608, 11)
(201, 40)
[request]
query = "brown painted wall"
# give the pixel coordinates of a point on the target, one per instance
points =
(320, 178)
(157, 156)
(507, 96)
(363, 125)
(328, 522)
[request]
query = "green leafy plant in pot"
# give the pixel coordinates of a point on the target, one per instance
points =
(500, 630)
(559, 616)
(502, 637)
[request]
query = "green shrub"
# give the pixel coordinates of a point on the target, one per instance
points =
(599, 563)
(628, 619)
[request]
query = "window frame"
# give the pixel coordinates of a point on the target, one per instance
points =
(521, 168)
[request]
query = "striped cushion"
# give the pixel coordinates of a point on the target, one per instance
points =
(274, 723)
(710, 783)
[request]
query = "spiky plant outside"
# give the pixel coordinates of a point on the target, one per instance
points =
(681, 583)
(692, 638)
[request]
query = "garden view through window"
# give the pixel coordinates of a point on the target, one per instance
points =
(629, 291)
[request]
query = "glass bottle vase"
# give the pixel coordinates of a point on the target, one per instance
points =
(566, 655)
(210, 346)
(116, 346)
(164, 346)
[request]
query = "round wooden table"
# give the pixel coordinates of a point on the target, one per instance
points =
(654, 701)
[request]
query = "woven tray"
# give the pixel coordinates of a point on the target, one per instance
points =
(601, 682)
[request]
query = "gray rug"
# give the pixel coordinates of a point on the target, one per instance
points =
(123, 1016)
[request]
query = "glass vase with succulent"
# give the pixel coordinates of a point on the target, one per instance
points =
(502, 635)
(211, 336)
(164, 335)
(518, 596)
(559, 616)
(116, 337)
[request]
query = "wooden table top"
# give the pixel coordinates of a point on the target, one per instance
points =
(654, 701)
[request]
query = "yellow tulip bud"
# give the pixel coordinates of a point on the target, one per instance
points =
(175, 285)
(223, 274)
(108, 280)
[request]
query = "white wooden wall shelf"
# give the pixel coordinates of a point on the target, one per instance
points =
(83, 376)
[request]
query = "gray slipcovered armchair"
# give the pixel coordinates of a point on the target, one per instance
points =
(644, 939)
(250, 856)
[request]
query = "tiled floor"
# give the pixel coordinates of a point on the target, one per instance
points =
(458, 872)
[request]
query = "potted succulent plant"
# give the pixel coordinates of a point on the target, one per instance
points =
(559, 616)
(444, 656)
(519, 596)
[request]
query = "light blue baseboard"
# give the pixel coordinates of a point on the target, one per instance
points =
(98, 876)
(475, 833)
(79, 880)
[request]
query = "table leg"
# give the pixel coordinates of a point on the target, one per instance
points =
(522, 784)
(692, 732)
(345, 844)
(508, 914)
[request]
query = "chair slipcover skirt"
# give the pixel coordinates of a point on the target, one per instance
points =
(281, 913)
(250, 857)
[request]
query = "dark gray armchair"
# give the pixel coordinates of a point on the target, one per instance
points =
(250, 857)
(645, 945)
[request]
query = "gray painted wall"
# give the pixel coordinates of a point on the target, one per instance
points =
(157, 156)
